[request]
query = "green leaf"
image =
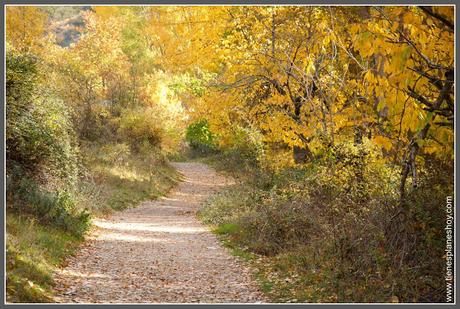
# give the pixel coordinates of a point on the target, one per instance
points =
(424, 121)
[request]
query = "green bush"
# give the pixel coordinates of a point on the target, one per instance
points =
(42, 156)
(40, 138)
(200, 137)
(243, 154)
(21, 80)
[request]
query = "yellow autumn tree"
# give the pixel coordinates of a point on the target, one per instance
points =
(25, 26)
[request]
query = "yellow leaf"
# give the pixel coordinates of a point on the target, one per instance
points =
(383, 141)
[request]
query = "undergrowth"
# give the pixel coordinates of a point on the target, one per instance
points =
(335, 233)
(119, 179)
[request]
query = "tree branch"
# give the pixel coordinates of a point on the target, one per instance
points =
(429, 10)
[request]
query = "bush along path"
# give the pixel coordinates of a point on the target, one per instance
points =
(159, 253)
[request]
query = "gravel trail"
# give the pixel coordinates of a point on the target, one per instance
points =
(159, 252)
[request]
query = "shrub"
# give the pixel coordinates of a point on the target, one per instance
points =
(42, 156)
(40, 137)
(141, 127)
(200, 137)
(243, 153)
(21, 80)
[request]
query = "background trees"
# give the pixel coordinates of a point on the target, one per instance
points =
(310, 78)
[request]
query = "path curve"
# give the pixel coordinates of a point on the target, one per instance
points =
(159, 252)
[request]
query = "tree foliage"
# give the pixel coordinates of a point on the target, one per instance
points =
(313, 77)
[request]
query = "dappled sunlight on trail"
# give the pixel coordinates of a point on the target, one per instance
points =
(158, 252)
(149, 227)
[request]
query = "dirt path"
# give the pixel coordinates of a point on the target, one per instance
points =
(159, 253)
